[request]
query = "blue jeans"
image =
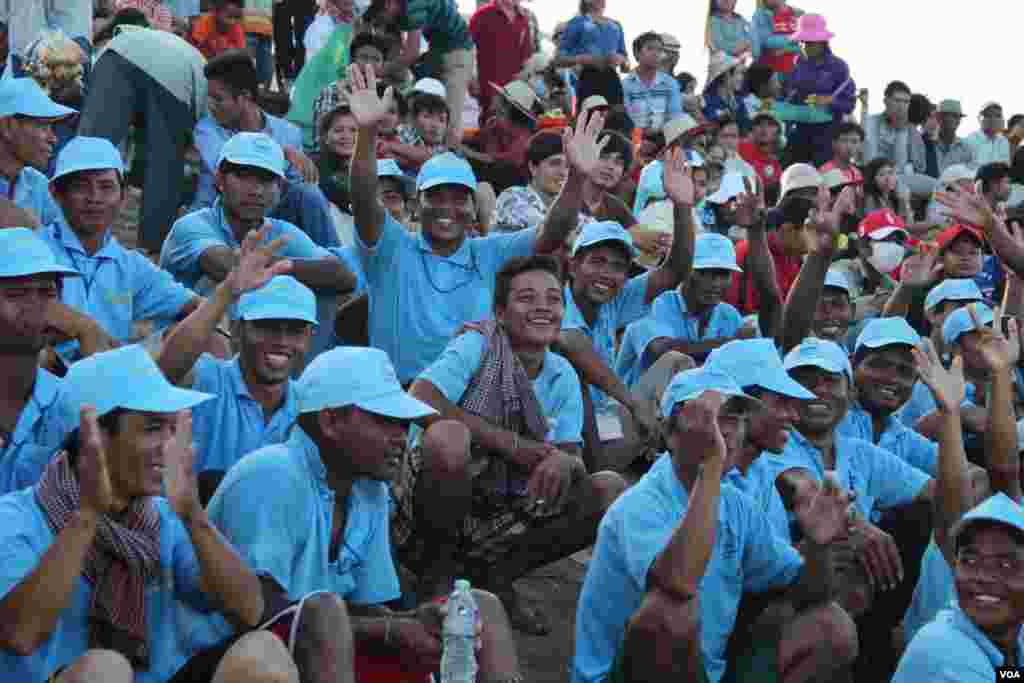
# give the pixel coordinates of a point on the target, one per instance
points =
(259, 48)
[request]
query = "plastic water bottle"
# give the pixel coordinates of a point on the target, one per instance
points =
(458, 662)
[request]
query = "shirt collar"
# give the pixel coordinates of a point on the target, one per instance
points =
(220, 221)
(45, 392)
(300, 442)
(461, 257)
(963, 623)
(241, 387)
(69, 240)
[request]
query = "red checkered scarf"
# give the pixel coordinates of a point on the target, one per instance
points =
(501, 392)
(123, 559)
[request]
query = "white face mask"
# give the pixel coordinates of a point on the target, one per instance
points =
(886, 256)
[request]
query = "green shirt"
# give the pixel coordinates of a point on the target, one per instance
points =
(442, 25)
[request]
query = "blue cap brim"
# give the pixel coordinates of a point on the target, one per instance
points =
(276, 312)
(435, 182)
(633, 251)
(20, 270)
(819, 362)
(170, 400)
(712, 265)
(784, 385)
(398, 405)
(48, 111)
(251, 163)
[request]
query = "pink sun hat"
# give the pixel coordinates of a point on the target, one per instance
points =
(812, 29)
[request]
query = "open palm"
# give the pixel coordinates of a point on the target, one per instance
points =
(257, 263)
(948, 387)
(581, 144)
(677, 180)
(368, 108)
(179, 477)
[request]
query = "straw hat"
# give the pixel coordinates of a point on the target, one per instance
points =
(681, 126)
(719, 64)
(519, 94)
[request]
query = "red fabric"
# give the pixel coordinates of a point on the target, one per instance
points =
(768, 168)
(502, 47)
(207, 40)
(505, 142)
(784, 22)
(949, 235)
(786, 270)
(851, 172)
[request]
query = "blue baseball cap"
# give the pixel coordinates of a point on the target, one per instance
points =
(26, 254)
(837, 279)
(959, 322)
(253, 149)
(446, 169)
(83, 153)
(126, 378)
(25, 97)
(712, 251)
(999, 509)
(690, 384)
(756, 363)
(359, 376)
(596, 232)
(819, 353)
(954, 289)
(283, 298)
(388, 168)
(879, 332)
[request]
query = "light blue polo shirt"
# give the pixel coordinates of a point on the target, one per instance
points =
(39, 433)
(557, 387)
(204, 229)
(233, 424)
(933, 592)
(210, 137)
(31, 190)
(419, 300)
(952, 649)
(880, 479)
(118, 287)
(276, 509)
(746, 557)
(628, 305)
(630, 363)
(921, 403)
(904, 443)
(25, 535)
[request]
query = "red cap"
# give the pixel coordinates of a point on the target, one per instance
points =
(947, 236)
(879, 224)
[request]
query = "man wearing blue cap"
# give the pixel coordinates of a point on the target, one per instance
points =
(27, 116)
(312, 516)
(204, 245)
(979, 638)
(425, 287)
(31, 428)
(232, 84)
(95, 562)
(679, 584)
(255, 402)
(118, 287)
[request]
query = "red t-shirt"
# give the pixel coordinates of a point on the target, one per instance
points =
(768, 168)
(784, 22)
(786, 270)
(502, 47)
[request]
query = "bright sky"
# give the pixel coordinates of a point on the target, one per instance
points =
(935, 47)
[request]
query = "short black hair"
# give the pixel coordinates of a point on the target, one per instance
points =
(845, 128)
(920, 109)
(757, 76)
(641, 41)
(794, 209)
(126, 17)
(543, 145)
(685, 79)
(382, 42)
(620, 144)
(1014, 120)
(619, 121)
(992, 173)
(765, 117)
(518, 266)
(236, 69)
(221, 4)
(428, 103)
(895, 87)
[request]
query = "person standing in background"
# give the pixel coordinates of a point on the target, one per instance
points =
(258, 24)
(291, 19)
(598, 45)
(727, 31)
(504, 41)
(774, 24)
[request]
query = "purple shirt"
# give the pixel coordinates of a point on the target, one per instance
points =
(827, 76)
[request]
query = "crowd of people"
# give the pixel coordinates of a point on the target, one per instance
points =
(418, 296)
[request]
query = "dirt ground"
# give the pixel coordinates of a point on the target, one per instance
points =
(556, 587)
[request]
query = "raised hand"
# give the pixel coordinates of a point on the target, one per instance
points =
(180, 485)
(999, 351)
(826, 517)
(967, 207)
(821, 230)
(581, 144)
(95, 489)
(948, 387)
(677, 179)
(750, 205)
(700, 421)
(368, 108)
(257, 264)
(921, 268)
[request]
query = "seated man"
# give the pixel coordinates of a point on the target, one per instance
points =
(233, 84)
(255, 403)
(119, 287)
(681, 547)
(27, 116)
(520, 496)
(31, 425)
(95, 562)
(524, 207)
(204, 245)
(980, 633)
(312, 516)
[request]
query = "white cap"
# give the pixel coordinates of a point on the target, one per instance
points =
(430, 86)
(799, 176)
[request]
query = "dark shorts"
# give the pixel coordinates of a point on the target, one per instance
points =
(618, 673)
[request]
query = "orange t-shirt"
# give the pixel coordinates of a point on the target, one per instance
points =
(210, 42)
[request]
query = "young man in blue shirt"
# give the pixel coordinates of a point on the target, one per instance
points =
(312, 516)
(27, 116)
(31, 428)
(118, 287)
(425, 287)
(204, 245)
(648, 567)
(93, 559)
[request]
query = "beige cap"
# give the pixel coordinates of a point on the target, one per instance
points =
(684, 124)
(799, 176)
(520, 94)
(593, 102)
